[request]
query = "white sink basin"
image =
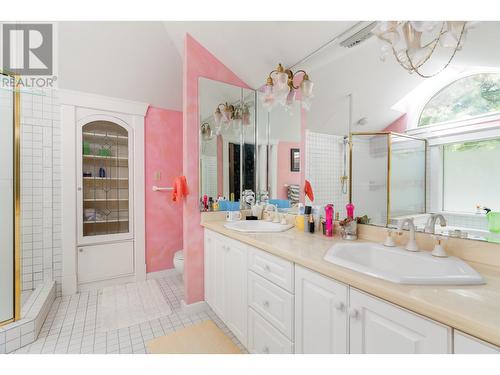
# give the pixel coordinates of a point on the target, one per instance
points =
(257, 226)
(401, 266)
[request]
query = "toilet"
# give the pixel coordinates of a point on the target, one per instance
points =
(179, 261)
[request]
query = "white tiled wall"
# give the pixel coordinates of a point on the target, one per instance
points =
(324, 167)
(40, 190)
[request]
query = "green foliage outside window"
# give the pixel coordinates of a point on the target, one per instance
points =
(465, 98)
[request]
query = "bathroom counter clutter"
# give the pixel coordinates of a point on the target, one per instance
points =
(473, 309)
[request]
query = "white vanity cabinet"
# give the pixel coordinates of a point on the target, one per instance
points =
(465, 344)
(226, 282)
(379, 327)
(274, 306)
(320, 314)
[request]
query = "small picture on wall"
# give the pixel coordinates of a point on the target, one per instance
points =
(295, 160)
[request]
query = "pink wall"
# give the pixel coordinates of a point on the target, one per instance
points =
(285, 176)
(198, 62)
(398, 126)
(163, 153)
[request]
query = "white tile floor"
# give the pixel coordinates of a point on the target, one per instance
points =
(70, 326)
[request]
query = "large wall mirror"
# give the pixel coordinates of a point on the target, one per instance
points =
(278, 153)
(227, 141)
(400, 146)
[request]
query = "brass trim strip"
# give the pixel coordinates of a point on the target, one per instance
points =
(17, 200)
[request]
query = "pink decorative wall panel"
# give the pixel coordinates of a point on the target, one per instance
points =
(198, 62)
(163, 155)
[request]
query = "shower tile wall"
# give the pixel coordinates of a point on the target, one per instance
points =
(324, 167)
(40, 190)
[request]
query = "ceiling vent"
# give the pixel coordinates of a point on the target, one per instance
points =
(359, 36)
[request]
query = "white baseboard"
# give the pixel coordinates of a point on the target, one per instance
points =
(161, 274)
(194, 308)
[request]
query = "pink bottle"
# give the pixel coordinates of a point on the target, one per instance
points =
(329, 220)
(350, 210)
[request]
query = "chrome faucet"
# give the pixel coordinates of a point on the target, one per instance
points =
(430, 227)
(412, 243)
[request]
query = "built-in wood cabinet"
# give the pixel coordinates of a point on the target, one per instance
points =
(274, 306)
(320, 314)
(102, 191)
(379, 327)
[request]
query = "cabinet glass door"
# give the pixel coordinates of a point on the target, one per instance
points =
(105, 187)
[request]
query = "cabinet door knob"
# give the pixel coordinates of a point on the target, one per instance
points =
(80, 249)
(267, 268)
(354, 314)
(265, 303)
(340, 306)
(266, 350)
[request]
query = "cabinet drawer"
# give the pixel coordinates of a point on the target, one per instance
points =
(263, 338)
(274, 269)
(102, 262)
(272, 302)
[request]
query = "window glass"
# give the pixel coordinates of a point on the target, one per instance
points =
(465, 98)
(471, 175)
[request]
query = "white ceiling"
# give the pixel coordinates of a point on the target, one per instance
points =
(143, 61)
(252, 49)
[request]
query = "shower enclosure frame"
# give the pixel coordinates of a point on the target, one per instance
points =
(389, 135)
(17, 199)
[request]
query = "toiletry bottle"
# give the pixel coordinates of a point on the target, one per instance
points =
(307, 215)
(202, 205)
(329, 220)
(102, 172)
(205, 203)
(350, 210)
(210, 204)
(216, 204)
(311, 224)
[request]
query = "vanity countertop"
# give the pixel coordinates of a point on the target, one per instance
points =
(472, 309)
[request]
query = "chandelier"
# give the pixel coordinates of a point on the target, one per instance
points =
(413, 43)
(280, 88)
(230, 116)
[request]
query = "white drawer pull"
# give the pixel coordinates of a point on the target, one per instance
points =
(266, 350)
(354, 314)
(265, 304)
(267, 268)
(340, 306)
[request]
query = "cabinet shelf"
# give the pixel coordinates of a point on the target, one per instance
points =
(105, 178)
(103, 136)
(117, 160)
(105, 221)
(106, 200)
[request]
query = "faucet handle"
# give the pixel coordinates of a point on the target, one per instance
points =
(389, 241)
(438, 248)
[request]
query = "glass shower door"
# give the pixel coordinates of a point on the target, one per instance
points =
(7, 254)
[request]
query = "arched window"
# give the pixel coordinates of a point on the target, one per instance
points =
(466, 98)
